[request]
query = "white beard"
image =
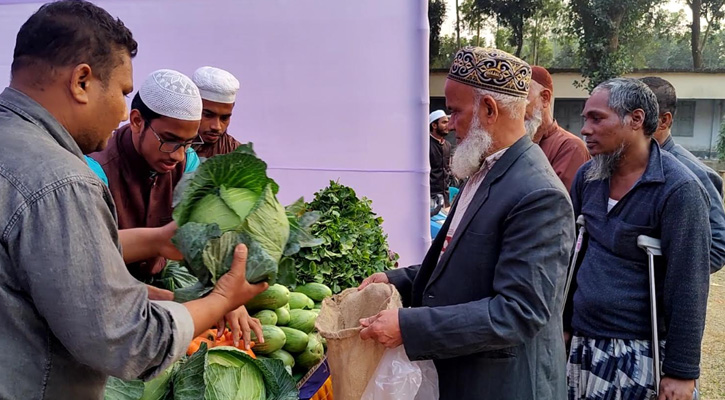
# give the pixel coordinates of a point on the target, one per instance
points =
(469, 154)
(533, 123)
(604, 165)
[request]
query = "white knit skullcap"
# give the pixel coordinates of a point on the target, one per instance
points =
(171, 94)
(435, 116)
(216, 85)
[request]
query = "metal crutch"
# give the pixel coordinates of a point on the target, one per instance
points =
(652, 247)
(572, 266)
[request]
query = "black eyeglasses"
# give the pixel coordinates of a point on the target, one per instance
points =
(170, 146)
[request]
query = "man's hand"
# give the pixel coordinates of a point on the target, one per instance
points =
(378, 277)
(167, 249)
(676, 389)
(384, 328)
(242, 326)
(233, 285)
(159, 294)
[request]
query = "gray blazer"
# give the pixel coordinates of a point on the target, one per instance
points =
(489, 312)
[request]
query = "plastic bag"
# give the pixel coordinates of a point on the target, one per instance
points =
(398, 378)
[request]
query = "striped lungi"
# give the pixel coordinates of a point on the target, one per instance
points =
(611, 369)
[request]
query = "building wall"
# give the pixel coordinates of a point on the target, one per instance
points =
(697, 124)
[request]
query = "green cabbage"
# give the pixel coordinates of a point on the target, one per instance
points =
(226, 373)
(231, 200)
(221, 373)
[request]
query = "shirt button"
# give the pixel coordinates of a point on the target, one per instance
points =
(431, 296)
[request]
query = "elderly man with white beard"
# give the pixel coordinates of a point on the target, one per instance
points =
(630, 188)
(564, 150)
(485, 304)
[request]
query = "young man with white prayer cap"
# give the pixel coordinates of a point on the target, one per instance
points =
(147, 157)
(218, 89)
(440, 154)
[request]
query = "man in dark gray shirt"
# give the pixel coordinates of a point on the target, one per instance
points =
(71, 313)
(630, 188)
(711, 180)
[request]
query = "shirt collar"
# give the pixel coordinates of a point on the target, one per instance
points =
(654, 171)
(30, 110)
(441, 140)
(669, 143)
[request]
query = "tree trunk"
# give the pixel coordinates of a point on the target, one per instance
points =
(458, 27)
(696, 6)
(536, 41)
(478, 32)
(519, 36)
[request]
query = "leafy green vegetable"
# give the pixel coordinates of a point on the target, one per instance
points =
(159, 388)
(118, 389)
(268, 224)
(354, 245)
(226, 373)
(230, 200)
(173, 277)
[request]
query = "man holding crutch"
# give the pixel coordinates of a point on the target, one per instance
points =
(632, 188)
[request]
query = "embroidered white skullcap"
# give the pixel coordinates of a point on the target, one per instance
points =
(216, 85)
(435, 116)
(171, 94)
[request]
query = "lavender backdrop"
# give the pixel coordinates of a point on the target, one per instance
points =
(330, 89)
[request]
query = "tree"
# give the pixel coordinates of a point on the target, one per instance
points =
(473, 19)
(600, 24)
(546, 18)
(513, 15)
(436, 15)
(712, 11)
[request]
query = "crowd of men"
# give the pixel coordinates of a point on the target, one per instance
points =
(86, 216)
(488, 304)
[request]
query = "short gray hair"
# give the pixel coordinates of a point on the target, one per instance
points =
(516, 106)
(629, 94)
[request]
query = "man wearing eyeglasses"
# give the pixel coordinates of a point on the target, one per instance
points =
(147, 157)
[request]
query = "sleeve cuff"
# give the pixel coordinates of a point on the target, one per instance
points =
(182, 333)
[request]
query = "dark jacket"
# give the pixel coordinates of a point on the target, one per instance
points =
(712, 182)
(440, 158)
(611, 299)
(489, 312)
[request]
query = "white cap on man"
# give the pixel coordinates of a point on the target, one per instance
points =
(435, 116)
(171, 94)
(216, 85)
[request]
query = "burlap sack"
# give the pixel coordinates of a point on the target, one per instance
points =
(353, 360)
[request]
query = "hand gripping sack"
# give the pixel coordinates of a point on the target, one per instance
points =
(353, 360)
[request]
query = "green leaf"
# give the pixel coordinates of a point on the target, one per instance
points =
(286, 275)
(118, 389)
(268, 224)
(296, 208)
(191, 240)
(189, 382)
(193, 292)
(219, 253)
(238, 169)
(211, 209)
(158, 388)
(240, 200)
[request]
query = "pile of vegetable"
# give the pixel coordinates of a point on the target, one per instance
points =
(219, 373)
(230, 200)
(288, 325)
(354, 245)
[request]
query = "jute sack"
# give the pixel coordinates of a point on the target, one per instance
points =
(353, 360)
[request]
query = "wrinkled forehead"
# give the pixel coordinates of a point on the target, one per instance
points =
(457, 94)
